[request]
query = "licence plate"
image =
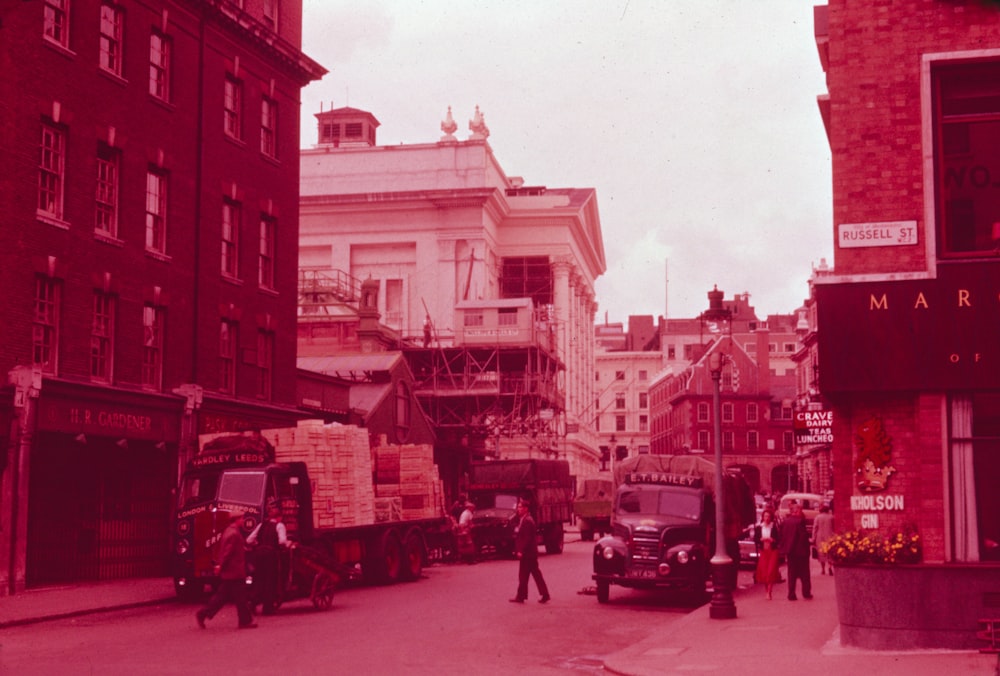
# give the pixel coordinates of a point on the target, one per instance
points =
(642, 572)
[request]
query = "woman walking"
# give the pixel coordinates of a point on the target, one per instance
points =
(766, 537)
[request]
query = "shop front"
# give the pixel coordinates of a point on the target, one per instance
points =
(100, 483)
(912, 372)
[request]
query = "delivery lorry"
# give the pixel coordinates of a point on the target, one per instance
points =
(376, 512)
(592, 507)
(496, 486)
(663, 525)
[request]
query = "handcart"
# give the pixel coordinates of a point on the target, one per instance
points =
(314, 573)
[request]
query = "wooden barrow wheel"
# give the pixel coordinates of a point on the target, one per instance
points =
(323, 586)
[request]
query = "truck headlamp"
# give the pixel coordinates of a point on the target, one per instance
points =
(683, 556)
(183, 546)
(608, 553)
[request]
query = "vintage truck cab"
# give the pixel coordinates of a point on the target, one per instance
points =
(661, 535)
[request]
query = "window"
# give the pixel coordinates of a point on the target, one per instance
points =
(227, 356)
(643, 423)
(966, 143)
(268, 127)
(403, 420)
(56, 22)
(671, 352)
(975, 462)
(788, 442)
(51, 171)
(620, 400)
(330, 133)
(702, 411)
(45, 325)
(231, 217)
(619, 423)
(753, 440)
(507, 316)
(728, 412)
(789, 347)
(152, 346)
(644, 400)
(473, 318)
(159, 66)
(703, 442)
(265, 363)
(752, 412)
(102, 337)
(271, 14)
(352, 129)
(727, 441)
(106, 200)
(232, 107)
(111, 38)
(266, 266)
(619, 375)
(156, 211)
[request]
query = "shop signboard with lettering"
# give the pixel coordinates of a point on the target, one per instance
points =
(813, 427)
(912, 334)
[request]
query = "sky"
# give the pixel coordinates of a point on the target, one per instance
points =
(695, 121)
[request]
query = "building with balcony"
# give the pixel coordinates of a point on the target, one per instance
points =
(458, 249)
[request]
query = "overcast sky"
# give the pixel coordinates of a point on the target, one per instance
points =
(695, 120)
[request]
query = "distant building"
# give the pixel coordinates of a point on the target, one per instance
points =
(447, 234)
(757, 388)
(148, 238)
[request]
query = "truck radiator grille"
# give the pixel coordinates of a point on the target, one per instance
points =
(645, 549)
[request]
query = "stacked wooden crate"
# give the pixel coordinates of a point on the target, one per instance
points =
(407, 476)
(339, 461)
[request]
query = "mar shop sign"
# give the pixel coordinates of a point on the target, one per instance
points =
(913, 334)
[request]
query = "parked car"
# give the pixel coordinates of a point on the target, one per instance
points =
(810, 502)
(748, 548)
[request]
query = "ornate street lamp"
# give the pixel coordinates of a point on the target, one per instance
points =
(722, 606)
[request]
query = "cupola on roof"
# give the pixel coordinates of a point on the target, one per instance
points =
(346, 128)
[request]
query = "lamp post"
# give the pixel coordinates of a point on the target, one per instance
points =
(722, 606)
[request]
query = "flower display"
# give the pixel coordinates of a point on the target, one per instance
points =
(859, 546)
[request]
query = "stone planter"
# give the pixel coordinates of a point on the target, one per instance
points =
(903, 607)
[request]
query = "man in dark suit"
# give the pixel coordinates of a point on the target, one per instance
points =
(526, 548)
(794, 543)
(232, 572)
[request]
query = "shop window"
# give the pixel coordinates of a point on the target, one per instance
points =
(975, 472)
(967, 157)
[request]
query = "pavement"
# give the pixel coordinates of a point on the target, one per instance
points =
(767, 637)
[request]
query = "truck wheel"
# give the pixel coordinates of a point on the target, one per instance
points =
(392, 558)
(603, 591)
(413, 556)
(554, 541)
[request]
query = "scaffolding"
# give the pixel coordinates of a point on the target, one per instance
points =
(320, 291)
(476, 394)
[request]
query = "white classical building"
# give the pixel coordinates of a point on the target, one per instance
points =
(440, 224)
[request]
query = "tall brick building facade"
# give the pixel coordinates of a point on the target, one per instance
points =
(149, 257)
(909, 321)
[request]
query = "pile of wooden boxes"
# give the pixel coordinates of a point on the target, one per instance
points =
(407, 485)
(339, 461)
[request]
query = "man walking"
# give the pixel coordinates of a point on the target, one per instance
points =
(794, 542)
(526, 548)
(232, 572)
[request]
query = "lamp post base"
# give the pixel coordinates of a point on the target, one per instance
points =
(722, 606)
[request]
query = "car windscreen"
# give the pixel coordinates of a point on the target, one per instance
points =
(663, 502)
(242, 486)
(504, 501)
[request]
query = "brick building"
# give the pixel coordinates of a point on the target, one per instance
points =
(149, 254)
(757, 386)
(908, 325)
